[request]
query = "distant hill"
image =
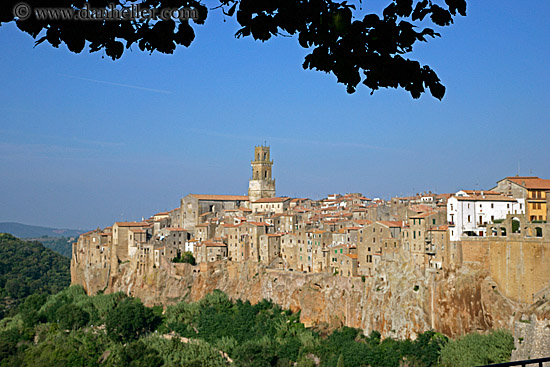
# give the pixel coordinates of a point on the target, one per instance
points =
(27, 231)
(61, 245)
(28, 268)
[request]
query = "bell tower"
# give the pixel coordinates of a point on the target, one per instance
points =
(262, 184)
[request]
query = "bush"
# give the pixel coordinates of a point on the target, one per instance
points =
(186, 257)
(477, 349)
(71, 316)
(129, 320)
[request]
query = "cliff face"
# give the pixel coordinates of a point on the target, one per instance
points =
(401, 302)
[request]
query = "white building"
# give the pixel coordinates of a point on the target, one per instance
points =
(468, 211)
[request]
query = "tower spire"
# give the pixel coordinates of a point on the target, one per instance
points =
(261, 184)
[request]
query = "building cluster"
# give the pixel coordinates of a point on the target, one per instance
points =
(345, 235)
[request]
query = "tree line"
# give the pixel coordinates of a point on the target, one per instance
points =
(73, 329)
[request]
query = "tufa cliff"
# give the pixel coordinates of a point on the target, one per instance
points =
(401, 302)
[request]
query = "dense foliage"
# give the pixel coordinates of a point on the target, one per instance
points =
(73, 329)
(187, 257)
(478, 350)
(28, 268)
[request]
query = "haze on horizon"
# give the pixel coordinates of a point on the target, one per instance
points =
(86, 141)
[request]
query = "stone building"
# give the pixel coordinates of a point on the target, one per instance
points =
(270, 247)
(210, 251)
(530, 188)
(121, 236)
(270, 205)
(194, 205)
(262, 184)
(372, 239)
(343, 260)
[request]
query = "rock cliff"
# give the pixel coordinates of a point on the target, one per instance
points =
(401, 302)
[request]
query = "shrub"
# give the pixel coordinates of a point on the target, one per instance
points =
(477, 349)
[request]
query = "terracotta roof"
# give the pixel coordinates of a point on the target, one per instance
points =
(423, 215)
(272, 200)
(421, 208)
(161, 213)
(259, 224)
(362, 221)
(531, 183)
(232, 225)
(131, 224)
(220, 197)
(353, 256)
(137, 230)
(392, 223)
(213, 244)
(440, 228)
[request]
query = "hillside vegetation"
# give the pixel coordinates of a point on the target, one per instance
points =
(73, 329)
(28, 268)
(61, 245)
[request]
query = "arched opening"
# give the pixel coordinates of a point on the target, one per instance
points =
(265, 174)
(503, 231)
(516, 225)
(265, 156)
(538, 232)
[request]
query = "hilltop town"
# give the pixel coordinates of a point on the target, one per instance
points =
(344, 235)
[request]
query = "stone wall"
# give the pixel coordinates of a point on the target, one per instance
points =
(519, 266)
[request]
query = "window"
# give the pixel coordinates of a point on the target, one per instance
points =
(469, 219)
(492, 206)
(433, 221)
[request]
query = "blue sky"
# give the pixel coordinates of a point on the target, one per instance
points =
(85, 141)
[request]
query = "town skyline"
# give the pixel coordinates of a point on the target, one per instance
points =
(133, 136)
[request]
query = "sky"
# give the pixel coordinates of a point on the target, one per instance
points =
(86, 141)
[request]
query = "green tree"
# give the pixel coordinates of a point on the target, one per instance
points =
(28, 268)
(129, 320)
(137, 354)
(71, 316)
(353, 44)
(478, 349)
(187, 257)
